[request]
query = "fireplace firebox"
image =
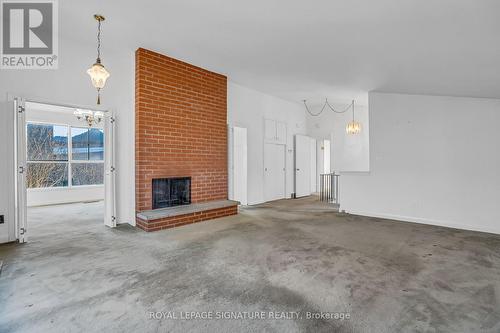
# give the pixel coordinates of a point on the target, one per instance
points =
(170, 192)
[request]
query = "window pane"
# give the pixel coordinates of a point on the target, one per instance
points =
(47, 142)
(47, 175)
(80, 143)
(96, 144)
(87, 173)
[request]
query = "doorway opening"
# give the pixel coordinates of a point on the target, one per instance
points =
(65, 172)
(305, 180)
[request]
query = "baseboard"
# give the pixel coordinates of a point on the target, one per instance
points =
(439, 223)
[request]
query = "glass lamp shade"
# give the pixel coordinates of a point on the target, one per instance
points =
(353, 127)
(78, 113)
(98, 116)
(98, 75)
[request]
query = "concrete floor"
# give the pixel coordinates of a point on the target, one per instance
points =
(76, 275)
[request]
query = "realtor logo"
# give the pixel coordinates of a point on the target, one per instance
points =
(29, 34)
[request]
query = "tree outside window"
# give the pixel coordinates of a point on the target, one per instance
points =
(54, 162)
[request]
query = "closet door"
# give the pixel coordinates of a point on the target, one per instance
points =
(274, 171)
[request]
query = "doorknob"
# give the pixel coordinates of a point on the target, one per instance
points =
(298, 169)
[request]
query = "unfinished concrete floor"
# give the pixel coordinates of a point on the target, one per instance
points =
(76, 275)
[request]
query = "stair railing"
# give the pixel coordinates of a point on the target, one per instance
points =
(329, 187)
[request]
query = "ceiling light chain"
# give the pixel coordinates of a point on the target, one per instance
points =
(99, 40)
(353, 127)
(329, 105)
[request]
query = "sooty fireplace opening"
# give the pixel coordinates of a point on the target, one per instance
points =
(170, 192)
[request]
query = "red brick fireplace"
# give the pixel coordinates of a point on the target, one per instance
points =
(180, 131)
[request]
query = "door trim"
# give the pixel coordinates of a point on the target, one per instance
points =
(20, 169)
(20, 203)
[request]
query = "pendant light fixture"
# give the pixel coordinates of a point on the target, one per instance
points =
(90, 118)
(98, 74)
(353, 127)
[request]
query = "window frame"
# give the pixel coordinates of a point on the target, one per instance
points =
(69, 161)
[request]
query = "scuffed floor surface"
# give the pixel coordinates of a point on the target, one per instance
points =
(76, 275)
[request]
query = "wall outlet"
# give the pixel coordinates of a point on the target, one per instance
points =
(2, 220)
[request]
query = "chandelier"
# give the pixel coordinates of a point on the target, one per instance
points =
(352, 127)
(98, 74)
(89, 117)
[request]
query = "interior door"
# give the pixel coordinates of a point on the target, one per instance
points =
(21, 170)
(239, 165)
(302, 165)
(109, 167)
(274, 171)
(313, 160)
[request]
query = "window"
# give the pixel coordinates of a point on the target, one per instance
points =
(87, 146)
(53, 161)
(47, 148)
(47, 175)
(87, 173)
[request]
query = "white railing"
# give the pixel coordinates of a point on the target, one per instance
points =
(329, 187)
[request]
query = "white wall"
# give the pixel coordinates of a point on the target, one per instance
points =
(248, 108)
(54, 196)
(71, 84)
(349, 153)
(433, 160)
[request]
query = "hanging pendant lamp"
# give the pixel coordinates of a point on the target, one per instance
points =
(98, 74)
(353, 127)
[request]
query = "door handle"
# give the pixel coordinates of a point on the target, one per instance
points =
(298, 169)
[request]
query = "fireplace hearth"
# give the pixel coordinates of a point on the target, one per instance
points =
(171, 192)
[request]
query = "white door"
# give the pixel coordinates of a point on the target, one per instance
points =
(21, 170)
(109, 166)
(239, 165)
(313, 160)
(274, 171)
(302, 166)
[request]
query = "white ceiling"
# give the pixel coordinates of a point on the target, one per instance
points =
(300, 49)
